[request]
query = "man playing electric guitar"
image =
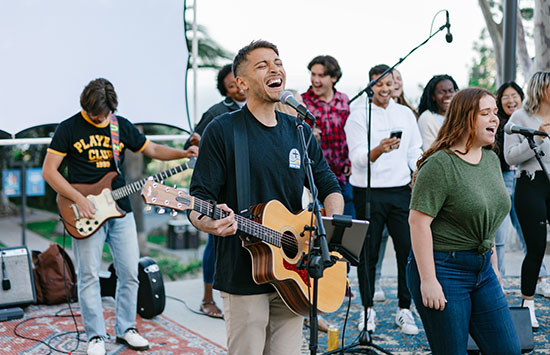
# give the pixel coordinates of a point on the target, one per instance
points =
(85, 141)
(257, 320)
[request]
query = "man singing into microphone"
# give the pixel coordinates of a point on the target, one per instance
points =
(257, 320)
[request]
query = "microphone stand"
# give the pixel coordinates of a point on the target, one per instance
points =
(538, 154)
(365, 338)
(318, 257)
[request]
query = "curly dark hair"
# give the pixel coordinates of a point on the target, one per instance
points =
(226, 69)
(426, 101)
(99, 97)
(332, 68)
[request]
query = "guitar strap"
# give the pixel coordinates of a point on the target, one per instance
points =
(115, 140)
(242, 162)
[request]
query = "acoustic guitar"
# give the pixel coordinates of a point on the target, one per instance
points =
(276, 241)
(104, 200)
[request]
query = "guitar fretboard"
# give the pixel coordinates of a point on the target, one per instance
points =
(136, 186)
(246, 225)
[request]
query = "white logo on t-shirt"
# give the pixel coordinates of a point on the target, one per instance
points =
(294, 159)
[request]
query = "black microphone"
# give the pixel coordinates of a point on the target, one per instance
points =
(448, 36)
(6, 285)
(511, 128)
(287, 98)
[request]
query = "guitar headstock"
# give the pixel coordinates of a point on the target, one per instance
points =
(157, 194)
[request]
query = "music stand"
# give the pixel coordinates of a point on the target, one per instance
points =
(348, 244)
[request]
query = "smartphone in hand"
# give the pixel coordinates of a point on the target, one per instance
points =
(396, 134)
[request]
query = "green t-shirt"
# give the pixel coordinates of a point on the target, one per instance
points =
(468, 201)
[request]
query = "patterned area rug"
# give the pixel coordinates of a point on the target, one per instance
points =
(166, 337)
(388, 336)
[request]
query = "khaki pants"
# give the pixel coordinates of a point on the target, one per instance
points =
(261, 324)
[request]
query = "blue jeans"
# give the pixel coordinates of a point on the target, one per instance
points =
(475, 305)
(208, 261)
(347, 193)
(121, 236)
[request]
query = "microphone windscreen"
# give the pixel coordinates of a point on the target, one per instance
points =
(284, 96)
(508, 127)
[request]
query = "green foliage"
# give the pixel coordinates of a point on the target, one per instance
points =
(158, 239)
(483, 72)
(171, 267)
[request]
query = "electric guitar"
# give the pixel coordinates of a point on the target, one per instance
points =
(104, 200)
(276, 241)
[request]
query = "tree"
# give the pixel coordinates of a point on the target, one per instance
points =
(493, 14)
(209, 51)
(483, 73)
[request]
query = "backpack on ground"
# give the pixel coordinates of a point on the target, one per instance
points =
(54, 276)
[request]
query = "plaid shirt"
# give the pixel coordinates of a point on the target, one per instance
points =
(331, 118)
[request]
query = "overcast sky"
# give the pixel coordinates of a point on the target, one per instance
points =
(359, 34)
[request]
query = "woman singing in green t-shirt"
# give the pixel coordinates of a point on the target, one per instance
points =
(458, 202)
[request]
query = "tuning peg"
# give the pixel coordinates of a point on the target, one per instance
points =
(176, 186)
(148, 208)
(161, 182)
(161, 210)
(173, 213)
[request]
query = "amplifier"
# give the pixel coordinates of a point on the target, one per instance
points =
(522, 322)
(17, 280)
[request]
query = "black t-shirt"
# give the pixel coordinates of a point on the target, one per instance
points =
(276, 173)
(225, 106)
(87, 149)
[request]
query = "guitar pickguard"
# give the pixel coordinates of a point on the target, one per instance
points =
(105, 208)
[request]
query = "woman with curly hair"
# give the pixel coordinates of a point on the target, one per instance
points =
(433, 105)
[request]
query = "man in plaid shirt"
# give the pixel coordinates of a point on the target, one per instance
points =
(332, 110)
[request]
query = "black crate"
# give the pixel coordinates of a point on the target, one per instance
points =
(182, 235)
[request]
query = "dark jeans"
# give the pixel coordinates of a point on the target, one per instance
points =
(208, 261)
(347, 193)
(475, 305)
(532, 203)
(390, 207)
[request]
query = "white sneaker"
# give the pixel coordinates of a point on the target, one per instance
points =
(531, 305)
(543, 287)
(96, 346)
(405, 320)
(379, 295)
(371, 320)
(133, 340)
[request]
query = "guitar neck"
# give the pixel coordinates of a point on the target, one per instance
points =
(136, 186)
(244, 224)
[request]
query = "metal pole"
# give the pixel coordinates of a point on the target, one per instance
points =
(194, 56)
(510, 36)
(23, 202)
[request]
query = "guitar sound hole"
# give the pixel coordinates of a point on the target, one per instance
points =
(289, 245)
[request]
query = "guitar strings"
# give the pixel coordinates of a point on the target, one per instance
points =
(251, 227)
